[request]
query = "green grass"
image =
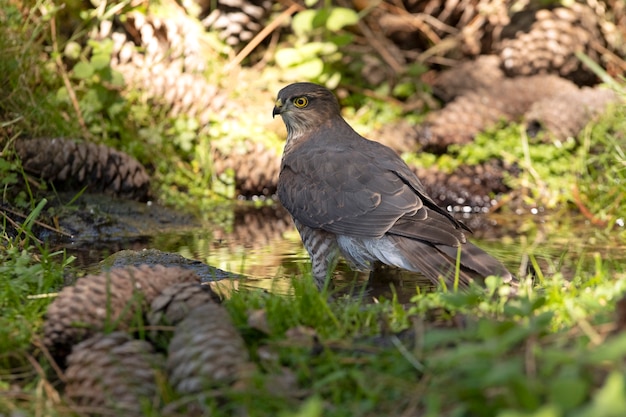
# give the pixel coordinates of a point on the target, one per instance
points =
(547, 351)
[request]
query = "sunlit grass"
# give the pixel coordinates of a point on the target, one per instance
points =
(481, 352)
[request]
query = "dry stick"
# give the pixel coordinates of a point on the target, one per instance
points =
(609, 56)
(66, 79)
(53, 363)
(17, 226)
(52, 393)
(37, 222)
(262, 35)
(422, 22)
(383, 51)
(584, 210)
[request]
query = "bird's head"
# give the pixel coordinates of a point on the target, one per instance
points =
(305, 106)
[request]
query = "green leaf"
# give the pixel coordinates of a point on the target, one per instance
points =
(117, 79)
(83, 70)
(62, 96)
(611, 350)
(302, 23)
(610, 400)
(310, 69)
(568, 391)
(342, 39)
(333, 81)
(341, 17)
(313, 407)
(404, 90)
(100, 61)
(315, 49)
(287, 57)
(545, 411)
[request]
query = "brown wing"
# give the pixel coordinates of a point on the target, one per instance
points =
(345, 184)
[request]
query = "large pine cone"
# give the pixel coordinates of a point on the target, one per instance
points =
(177, 40)
(206, 350)
(473, 186)
(165, 59)
(72, 165)
(399, 136)
(478, 74)
(108, 299)
(546, 40)
(470, 113)
(176, 301)
(112, 372)
(565, 115)
(255, 227)
(237, 21)
(256, 167)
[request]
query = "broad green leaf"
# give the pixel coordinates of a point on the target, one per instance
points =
(613, 349)
(333, 81)
(315, 49)
(117, 79)
(302, 23)
(100, 61)
(568, 392)
(83, 70)
(404, 90)
(341, 17)
(310, 69)
(545, 411)
(313, 407)
(62, 95)
(610, 400)
(342, 39)
(287, 57)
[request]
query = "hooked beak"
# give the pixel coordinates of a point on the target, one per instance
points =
(278, 107)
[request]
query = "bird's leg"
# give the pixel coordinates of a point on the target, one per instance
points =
(323, 250)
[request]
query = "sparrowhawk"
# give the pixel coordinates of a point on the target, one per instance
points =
(352, 196)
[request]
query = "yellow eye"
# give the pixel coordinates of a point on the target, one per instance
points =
(300, 102)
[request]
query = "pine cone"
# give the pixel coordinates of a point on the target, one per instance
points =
(166, 60)
(474, 22)
(256, 168)
(468, 114)
(73, 165)
(113, 372)
(178, 40)
(461, 120)
(546, 40)
(237, 21)
(565, 115)
(473, 186)
(175, 302)
(468, 76)
(111, 298)
(399, 136)
(206, 350)
(255, 228)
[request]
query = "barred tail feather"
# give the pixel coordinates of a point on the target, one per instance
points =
(439, 261)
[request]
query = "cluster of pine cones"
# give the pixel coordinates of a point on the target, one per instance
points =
(117, 370)
(537, 43)
(509, 60)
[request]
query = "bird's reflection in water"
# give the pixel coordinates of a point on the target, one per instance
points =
(383, 282)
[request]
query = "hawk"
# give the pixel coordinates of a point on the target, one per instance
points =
(353, 196)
